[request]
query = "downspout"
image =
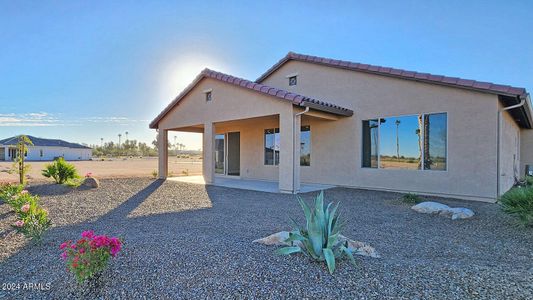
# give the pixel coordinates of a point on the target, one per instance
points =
(498, 150)
(294, 191)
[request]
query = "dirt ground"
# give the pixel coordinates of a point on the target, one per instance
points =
(112, 168)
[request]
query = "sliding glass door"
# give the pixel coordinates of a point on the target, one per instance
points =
(220, 154)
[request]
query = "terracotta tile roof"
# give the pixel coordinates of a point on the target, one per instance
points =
(283, 95)
(505, 90)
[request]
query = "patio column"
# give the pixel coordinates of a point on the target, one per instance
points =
(162, 148)
(208, 161)
(289, 166)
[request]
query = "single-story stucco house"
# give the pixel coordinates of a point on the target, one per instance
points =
(317, 120)
(44, 149)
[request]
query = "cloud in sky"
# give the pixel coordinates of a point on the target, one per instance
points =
(43, 119)
(38, 119)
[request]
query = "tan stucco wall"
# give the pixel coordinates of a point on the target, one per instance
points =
(526, 149)
(510, 152)
(236, 103)
(336, 146)
(252, 146)
(229, 103)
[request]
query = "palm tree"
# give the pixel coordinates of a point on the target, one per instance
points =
(126, 136)
(101, 142)
(119, 136)
(397, 139)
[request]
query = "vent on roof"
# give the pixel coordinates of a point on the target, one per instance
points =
(293, 80)
(208, 96)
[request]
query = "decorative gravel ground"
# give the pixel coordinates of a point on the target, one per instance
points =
(192, 241)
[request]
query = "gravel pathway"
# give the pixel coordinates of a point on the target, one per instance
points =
(191, 241)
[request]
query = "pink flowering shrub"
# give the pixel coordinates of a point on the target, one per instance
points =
(7, 191)
(32, 220)
(90, 254)
(89, 174)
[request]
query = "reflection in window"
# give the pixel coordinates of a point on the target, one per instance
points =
(305, 146)
(370, 143)
(435, 136)
(400, 143)
(219, 154)
(403, 141)
(272, 146)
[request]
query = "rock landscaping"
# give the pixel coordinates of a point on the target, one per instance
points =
(455, 213)
(186, 241)
(357, 248)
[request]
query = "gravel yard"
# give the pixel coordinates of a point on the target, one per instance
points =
(192, 241)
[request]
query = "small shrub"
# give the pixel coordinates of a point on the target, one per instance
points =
(411, 198)
(318, 240)
(17, 201)
(74, 182)
(154, 174)
(9, 190)
(60, 171)
(89, 256)
(33, 221)
(518, 202)
(185, 172)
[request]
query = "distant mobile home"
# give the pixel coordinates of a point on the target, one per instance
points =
(310, 119)
(44, 150)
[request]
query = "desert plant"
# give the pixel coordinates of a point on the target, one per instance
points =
(319, 239)
(9, 190)
(18, 200)
(518, 202)
(60, 171)
(18, 165)
(89, 256)
(154, 174)
(33, 221)
(411, 198)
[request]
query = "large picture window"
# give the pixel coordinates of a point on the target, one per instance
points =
(272, 146)
(405, 142)
(305, 146)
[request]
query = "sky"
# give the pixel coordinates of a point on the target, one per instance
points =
(86, 70)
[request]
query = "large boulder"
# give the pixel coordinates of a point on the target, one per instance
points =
(455, 213)
(90, 182)
(459, 213)
(430, 207)
(358, 248)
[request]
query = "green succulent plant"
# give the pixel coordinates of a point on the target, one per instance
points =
(319, 239)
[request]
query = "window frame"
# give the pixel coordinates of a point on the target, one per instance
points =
(422, 131)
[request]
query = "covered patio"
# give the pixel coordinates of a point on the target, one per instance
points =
(249, 184)
(251, 132)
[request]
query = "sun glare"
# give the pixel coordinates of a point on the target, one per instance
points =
(180, 73)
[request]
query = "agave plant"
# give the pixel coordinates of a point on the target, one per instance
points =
(319, 240)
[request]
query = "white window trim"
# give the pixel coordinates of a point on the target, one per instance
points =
(421, 130)
(292, 75)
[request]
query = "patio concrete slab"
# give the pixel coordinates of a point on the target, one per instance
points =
(248, 184)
